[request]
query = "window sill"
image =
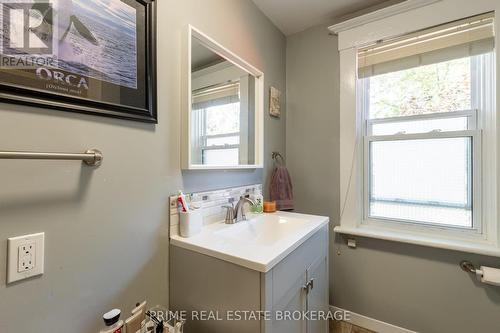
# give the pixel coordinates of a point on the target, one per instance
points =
(447, 244)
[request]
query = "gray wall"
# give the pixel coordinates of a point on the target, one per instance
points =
(415, 287)
(106, 228)
(312, 134)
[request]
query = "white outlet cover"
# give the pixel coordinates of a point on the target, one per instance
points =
(14, 245)
(26, 257)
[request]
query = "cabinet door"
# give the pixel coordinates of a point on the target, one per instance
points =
(317, 297)
(292, 301)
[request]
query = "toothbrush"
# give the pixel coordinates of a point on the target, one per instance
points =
(180, 206)
(182, 199)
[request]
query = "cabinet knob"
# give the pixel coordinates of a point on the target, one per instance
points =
(309, 285)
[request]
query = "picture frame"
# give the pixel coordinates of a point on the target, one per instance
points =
(274, 102)
(81, 61)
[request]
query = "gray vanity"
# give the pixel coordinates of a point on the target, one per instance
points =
(291, 282)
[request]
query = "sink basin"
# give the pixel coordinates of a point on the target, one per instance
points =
(263, 229)
(259, 243)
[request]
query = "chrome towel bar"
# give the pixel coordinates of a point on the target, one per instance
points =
(91, 157)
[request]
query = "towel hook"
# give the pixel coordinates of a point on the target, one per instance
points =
(278, 157)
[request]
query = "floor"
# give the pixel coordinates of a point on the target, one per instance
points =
(344, 327)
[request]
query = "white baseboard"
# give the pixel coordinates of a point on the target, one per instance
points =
(370, 323)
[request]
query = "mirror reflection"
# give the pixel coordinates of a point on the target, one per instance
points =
(222, 122)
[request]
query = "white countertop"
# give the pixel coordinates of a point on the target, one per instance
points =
(259, 243)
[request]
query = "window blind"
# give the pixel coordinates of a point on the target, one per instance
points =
(217, 95)
(459, 39)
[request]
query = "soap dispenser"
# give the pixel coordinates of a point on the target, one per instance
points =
(258, 199)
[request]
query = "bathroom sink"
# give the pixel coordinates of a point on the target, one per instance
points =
(263, 229)
(259, 243)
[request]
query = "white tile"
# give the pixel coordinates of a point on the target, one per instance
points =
(211, 203)
(174, 219)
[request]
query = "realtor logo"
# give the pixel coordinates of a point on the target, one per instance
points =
(27, 28)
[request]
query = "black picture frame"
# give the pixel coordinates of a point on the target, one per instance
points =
(39, 98)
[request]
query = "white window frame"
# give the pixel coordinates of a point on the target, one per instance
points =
(206, 147)
(474, 132)
(205, 137)
(398, 21)
(479, 231)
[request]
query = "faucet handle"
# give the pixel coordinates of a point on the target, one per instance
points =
(229, 214)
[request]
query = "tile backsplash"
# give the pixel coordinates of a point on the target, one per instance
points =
(210, 203)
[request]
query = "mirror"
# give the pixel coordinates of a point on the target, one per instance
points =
(224, 108)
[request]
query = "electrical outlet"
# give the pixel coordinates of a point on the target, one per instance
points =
(25, 257)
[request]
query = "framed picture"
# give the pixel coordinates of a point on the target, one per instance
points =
(275, 102)
(89, 56)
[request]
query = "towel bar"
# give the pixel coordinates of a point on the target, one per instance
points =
(91, 157)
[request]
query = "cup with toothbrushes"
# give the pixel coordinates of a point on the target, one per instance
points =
(190, 219)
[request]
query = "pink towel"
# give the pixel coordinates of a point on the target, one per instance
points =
(281, 189)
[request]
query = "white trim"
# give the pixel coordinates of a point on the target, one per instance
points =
(351, 146)
(423, 240)
(186, 97)
(376, 15)
(438, 13)
(225, 167)
(424, 136)
(370, 323)
(489, 163)
(440, 115)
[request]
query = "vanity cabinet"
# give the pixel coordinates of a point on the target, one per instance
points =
(296, 285)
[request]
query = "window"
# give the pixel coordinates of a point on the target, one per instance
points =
(216, 125)
(423, 100)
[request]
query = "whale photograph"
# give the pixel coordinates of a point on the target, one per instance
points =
(97, 38)
(95, 55)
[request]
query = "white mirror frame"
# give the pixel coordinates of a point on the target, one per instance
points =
(187, 98)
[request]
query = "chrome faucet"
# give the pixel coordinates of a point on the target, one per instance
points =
(239, 212)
